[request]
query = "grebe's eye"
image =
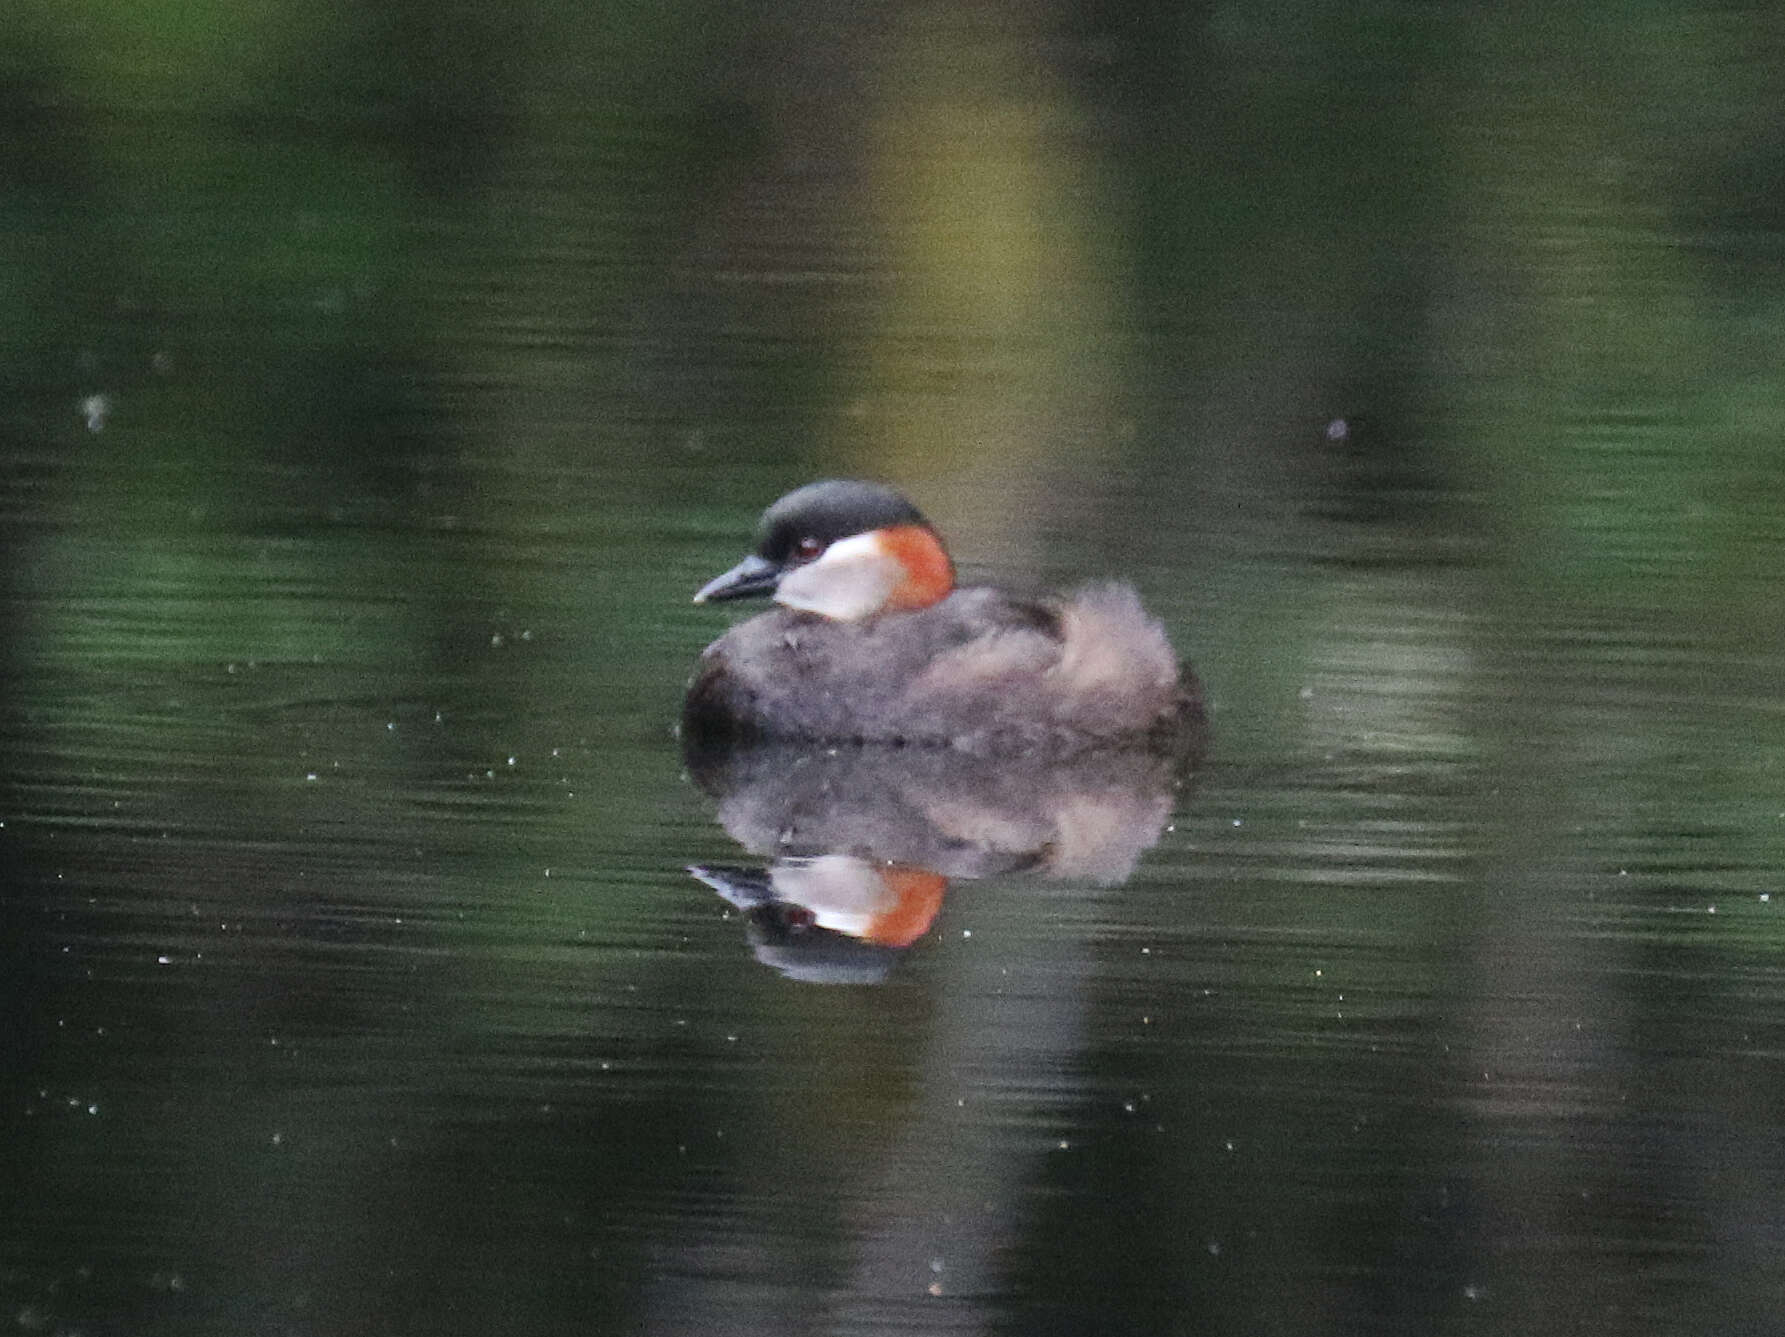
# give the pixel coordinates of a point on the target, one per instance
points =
(808, 548)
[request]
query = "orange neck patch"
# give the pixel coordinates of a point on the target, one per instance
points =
(917, 899)
(927, 574)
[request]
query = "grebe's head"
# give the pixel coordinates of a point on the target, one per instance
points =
(841, 549)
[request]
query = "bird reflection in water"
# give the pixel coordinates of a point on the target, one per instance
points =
(864, 841)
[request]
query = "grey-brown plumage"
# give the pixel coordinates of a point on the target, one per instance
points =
(981, 671)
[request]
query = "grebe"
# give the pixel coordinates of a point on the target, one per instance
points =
(874, 644)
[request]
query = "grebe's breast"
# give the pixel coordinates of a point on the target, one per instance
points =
(981, 670)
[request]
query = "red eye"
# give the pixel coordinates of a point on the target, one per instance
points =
(807, 548)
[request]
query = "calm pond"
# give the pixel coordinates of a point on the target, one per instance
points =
(383, 381)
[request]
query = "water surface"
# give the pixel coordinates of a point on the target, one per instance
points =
(376, 403)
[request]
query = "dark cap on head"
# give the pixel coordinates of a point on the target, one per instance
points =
(804, 523)
(827, 511)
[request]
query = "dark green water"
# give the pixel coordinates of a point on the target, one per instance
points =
(381, 382)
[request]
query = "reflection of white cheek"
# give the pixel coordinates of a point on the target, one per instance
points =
(853, 578)
(842, 892)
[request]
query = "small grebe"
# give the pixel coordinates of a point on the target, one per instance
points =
(874, 644)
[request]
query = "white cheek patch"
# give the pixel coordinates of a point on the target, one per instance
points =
(851, 579)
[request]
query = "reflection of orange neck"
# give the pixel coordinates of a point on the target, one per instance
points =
(927, 574)
(917, 899)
